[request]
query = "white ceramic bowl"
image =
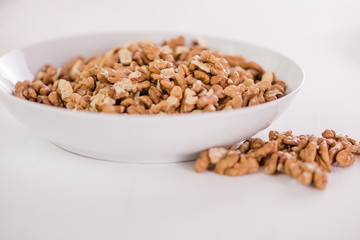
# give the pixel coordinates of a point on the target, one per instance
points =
(139, 138)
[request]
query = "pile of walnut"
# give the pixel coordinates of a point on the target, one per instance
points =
(144, 78)
(307, 158)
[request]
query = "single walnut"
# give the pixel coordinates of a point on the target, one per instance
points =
(101, 98)
(55, 99)
(202, 76)
(145, 101)
(180, 80)
(151, 51)
(118, 75)
(22, 89)
(235, 77)
(334, 151)
(329, 134)
(189, 101)
(323, 157)
(108, 108)
(110, 58)
(253, 66)
(319, 179)
(43, 99)
(125, 56)
(251, 92)
(227, 162)
(233, 91)
(48, 74)
(136, 109)
(235, 60)
(40, 87)
(85, 86)
(155, 94)
(173, 101)
(167, 85)
(345, 157)
(160, 107)
(175, 42)
(168, 72)
(246, 165)
(196, 64)
(218, 91)
(139, 75)
(179, 50)
(236, 102)
(127, 102)
(216, 154)
(257, 100)
(198, 86)
(263, 151)
(203, 162)
(268, 77)
(356, 149)
(219, 80)
(158, 65)
(248, 82)
(209, 108)
(274, 93)
(142, 86)
(245, 146)
(271, 163)
(208, 99)
(308, 154)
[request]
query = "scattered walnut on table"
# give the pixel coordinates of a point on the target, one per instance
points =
(147, 73)
(306, 158)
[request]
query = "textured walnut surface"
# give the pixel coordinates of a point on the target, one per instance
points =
(146, 78)
(306, 158)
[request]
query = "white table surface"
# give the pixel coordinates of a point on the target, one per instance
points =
(48, 193)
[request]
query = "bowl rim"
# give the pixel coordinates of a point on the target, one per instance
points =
(223, 113)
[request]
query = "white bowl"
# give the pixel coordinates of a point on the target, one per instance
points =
(139, 138)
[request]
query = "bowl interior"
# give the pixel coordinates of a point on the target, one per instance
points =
(22, 64)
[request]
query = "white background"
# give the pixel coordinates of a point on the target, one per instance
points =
(48, 193)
